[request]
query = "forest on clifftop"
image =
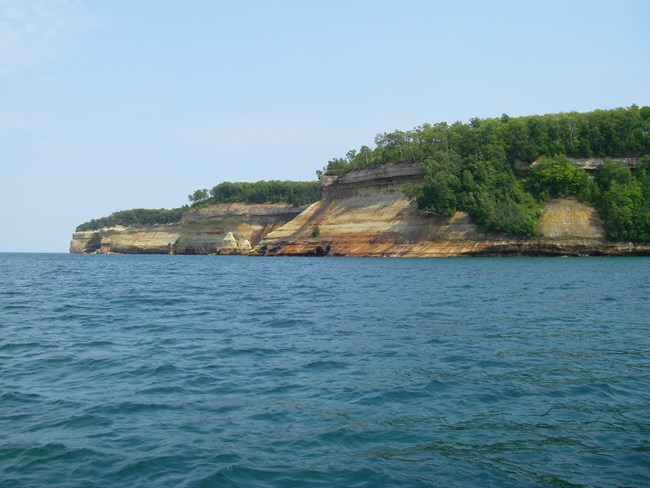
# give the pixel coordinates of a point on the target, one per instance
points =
(472, 167)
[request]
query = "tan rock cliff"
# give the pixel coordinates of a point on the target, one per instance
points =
(150, 239)
(365, 213)
(201, 231)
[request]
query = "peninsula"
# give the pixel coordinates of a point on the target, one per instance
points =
(558, 184)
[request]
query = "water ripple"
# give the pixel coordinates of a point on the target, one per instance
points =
(198, 371)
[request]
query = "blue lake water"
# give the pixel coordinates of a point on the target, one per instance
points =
(231, 371)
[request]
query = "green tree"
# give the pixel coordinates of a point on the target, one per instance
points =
(199, 195)
(557, 177)
(609, 173)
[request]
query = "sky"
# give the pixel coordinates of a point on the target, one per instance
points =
(108, 106)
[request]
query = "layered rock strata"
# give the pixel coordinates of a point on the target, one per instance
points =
(201, 231)
(204, 229)
(366, 213)
(149, 239)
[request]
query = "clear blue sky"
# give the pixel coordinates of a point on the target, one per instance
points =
(112, 105)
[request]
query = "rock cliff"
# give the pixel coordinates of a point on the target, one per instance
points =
(200, 231)
(150, 239)
(365, 213)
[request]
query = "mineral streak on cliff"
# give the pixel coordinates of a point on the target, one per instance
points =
(366, 213)
(201, 231)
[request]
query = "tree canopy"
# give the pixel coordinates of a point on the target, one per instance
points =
(296, 193)
(470, 167)
(136, 216)
(621, 132)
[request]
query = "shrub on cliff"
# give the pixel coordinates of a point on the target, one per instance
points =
(491, 195)
(623, 201)
(557, 177)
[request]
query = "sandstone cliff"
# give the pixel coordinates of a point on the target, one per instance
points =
(150, 239)
(365, 213)
(204, 229)
(201, 231)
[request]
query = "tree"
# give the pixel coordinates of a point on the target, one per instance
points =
(557, 177)
(199, 195)
(609, 173)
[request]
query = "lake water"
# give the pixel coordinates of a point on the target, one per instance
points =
(233, 371)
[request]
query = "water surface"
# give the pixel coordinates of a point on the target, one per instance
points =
(232, 371)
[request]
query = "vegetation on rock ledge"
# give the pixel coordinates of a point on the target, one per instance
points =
(136, 217)
(296, 193)
(471, 167)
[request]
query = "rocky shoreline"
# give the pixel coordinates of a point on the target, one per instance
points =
(364, 213)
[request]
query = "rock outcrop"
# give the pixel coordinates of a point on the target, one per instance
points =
(149, 239)
(200, 231)
(366, 213)
(568, 219)
(229, 245)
